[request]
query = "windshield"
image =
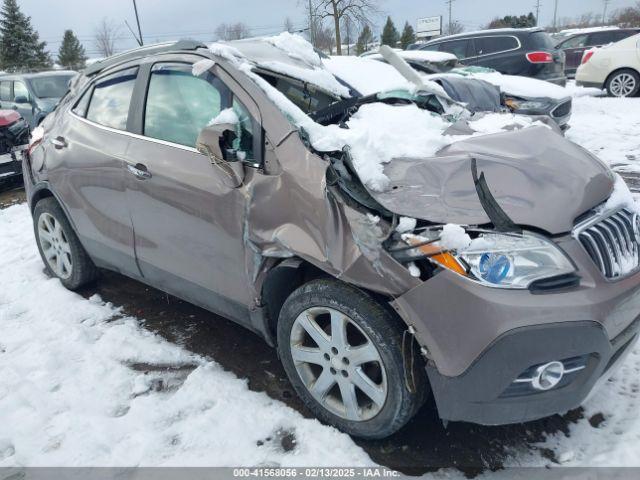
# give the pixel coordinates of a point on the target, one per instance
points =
(53, 86)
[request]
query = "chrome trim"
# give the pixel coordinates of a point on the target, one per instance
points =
(611, 237)
(134, 135)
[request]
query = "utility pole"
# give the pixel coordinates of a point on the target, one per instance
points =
(555, 16)
(450, 3)
(311, 27)
(604, 12)
(135, 9)
(537, 12)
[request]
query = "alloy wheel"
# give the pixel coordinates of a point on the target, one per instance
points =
(622, 85)
(338, 363)
(55, 245)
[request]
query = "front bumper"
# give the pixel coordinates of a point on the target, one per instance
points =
(487, 394)
(479, 340)
(10, 166)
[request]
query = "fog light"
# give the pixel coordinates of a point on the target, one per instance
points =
(548, 376)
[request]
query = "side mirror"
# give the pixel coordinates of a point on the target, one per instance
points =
(214, 141)
(21, 99)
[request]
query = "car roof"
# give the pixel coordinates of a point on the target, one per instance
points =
(483, 33)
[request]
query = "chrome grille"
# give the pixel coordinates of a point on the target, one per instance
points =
(611, 242)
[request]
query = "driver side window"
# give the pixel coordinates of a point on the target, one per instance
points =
(179, 105)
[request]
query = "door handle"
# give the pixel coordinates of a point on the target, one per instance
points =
(59, 142)
(139, 171)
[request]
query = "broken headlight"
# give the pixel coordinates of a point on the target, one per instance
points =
(513, 261)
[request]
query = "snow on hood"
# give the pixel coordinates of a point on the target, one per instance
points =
(367, 76)
(512, 84)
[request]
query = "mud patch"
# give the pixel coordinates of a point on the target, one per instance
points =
(159, 378)
(596, 420)
(282, 440)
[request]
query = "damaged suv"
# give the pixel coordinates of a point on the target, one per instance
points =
(391, 246)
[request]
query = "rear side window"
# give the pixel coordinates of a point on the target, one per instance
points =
(431, 48)
(489, 45)
(5, 91)
(179, 105)
(541, 40)
(460, 48)
(575, 42)
(20, 90)
(109, 105)
(603, 38)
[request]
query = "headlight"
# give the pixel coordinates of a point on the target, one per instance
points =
(515, 104)
(496, 259)
(514, 261)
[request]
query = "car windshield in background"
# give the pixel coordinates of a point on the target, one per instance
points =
(54, 86)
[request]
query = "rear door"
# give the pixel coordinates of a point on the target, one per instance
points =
(574, 48)
(85, 165)
(6, 94)
(188, 221)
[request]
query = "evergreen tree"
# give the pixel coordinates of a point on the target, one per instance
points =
(408, 36)
(71, 54)
(390, 35)
(365, 39)
(20, 45)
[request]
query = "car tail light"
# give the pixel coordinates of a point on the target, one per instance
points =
(540, 57)
(587, 55)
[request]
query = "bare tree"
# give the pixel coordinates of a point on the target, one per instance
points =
(106, 34)
(288, 25)
(358, 11)
(235, 31)
(324, 38)
(454, 28)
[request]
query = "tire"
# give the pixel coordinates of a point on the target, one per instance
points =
(56, 239)
(399, 391)
(623, 83)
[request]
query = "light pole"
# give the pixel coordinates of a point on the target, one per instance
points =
(604, 12)
(537, 12)
(555, 15)
(450, 3)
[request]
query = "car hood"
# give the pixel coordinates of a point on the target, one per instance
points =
(536, 176)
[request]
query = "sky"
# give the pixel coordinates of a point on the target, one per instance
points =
(164, 20)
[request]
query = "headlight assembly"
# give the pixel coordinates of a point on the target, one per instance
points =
(500, 260)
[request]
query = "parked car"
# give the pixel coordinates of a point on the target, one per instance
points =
(34, 95)
(615, 67)
(390, 246)
(14, 138)
(578, 43)
(526, 96)
(528, 52)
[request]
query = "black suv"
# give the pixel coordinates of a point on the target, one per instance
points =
(575, 45)
(515, 51)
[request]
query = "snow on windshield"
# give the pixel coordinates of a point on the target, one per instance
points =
(377, 132)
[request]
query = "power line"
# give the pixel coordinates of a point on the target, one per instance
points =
(604, 11)
(537, 12)
(555, 15)
(450, 3)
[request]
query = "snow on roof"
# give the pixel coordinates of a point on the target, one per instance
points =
(492, 30)
(575, 31)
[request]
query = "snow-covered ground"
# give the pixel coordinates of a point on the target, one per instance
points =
(73, 389)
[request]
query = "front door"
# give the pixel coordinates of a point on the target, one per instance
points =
(22, 101)
(188, 222)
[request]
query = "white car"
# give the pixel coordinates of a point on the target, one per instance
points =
(615, 67)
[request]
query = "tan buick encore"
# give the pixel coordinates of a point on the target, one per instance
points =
(195, 170)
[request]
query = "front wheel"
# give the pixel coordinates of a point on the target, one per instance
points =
(61, 251)
(623, 83)
(343, 353)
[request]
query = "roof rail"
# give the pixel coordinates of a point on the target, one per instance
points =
(180, 45)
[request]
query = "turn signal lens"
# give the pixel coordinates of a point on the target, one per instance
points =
(449, 261)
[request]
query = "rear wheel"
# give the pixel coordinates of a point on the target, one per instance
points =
(342, 351)
(623, 83)
(61, 251)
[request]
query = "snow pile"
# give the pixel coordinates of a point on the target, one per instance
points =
(420, 56)
(296, 47)
(621, 197)
(74, 392)
(406, 224)
(454, 237)
(227, 115)
(202, 66)
(495, 122)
